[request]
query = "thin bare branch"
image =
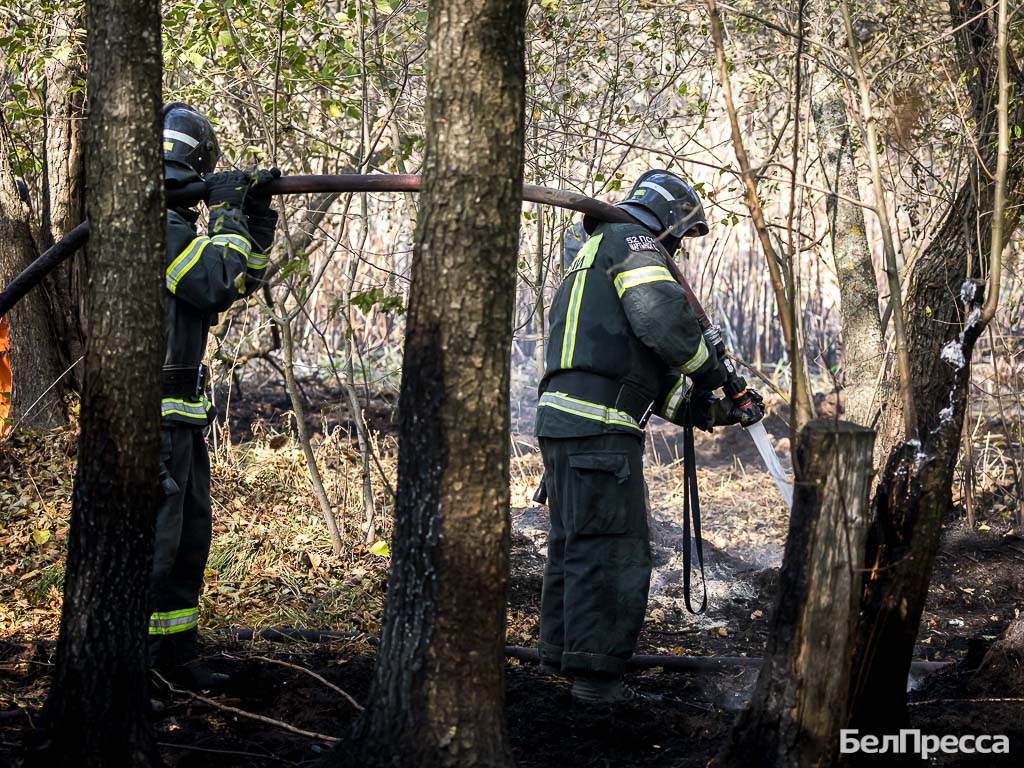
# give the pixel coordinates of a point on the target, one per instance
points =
(314, 675)
(242, 713)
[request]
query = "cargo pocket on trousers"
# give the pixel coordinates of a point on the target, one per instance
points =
(600, 485)
(170, 487)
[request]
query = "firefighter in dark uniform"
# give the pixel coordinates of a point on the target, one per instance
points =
(204, 275)
(624, 343)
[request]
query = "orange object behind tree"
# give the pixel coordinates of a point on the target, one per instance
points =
(5, 377)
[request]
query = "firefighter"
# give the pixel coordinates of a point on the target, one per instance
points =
(624, 344)
(204, 275)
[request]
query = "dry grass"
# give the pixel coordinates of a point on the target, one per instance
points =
(270, 561)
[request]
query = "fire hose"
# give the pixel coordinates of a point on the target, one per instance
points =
(190, 194)
(735, 386)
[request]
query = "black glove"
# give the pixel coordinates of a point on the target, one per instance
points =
(227, 189)
(262, 218)
(261, 228)
(707, 412)
(258, 200)
(709, 379)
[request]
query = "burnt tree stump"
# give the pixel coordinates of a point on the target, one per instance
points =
(800, 700)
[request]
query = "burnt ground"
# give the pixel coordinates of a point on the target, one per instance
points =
(978, 587)
(258, 406)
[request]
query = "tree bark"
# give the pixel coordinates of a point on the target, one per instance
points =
(437, 696)
(34, 359)
(1002, 670)
(914, 494)
(63, 117)
(858, 286)
(910, 503)
(96, 710)
(934, 313)
(799, 702)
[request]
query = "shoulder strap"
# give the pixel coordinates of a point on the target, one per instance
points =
(691, 506)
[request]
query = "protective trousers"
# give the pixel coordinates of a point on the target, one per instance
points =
(182, 545)
(599, 556)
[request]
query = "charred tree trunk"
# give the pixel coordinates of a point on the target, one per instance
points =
(1002, 670)
(96, 710)
(914, 494)
(934, 314)
(910, 504)
(34, 358)
(437, 696)
(799, 703)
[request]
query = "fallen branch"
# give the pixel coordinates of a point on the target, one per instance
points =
(190, 748)
(314, 675)
(1012, 700)
(697, 663)
(10, 714)
(286, 634)
(242, 713)
(668, 663)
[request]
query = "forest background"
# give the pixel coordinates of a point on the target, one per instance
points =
(869, 142)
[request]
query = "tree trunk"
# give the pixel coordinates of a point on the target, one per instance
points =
(96, 710)
(910, 504)
(858, 287)
(799, 702)
(62, 178)
(1002, 670)
(934, 316)
(62, 152)
(914, 494)
(34, 359)
(437, 696)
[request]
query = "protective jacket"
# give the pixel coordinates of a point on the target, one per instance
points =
(204, 276)
(622, 338)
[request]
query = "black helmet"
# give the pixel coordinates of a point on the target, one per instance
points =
(664, 203)
(188, 140)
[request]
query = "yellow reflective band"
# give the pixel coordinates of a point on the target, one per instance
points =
(585, 258)
(185, 261)
(198, 411)
(172, 622)
(675, 398)
(593, 411)
(168, 146)
(699, 358)
(237, 242)
(257, 261)
(641, 276)
(572, 317)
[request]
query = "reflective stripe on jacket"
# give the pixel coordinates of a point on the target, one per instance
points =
(204, 275)
(620, 317)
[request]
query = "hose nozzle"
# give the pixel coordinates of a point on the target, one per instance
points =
(747, 403)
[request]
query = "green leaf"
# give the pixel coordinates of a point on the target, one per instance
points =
(380, 548)
(40, 537)
(385, 6)
(375, 297)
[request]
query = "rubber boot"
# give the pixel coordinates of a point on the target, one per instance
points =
(176, 657)
(597, 689)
